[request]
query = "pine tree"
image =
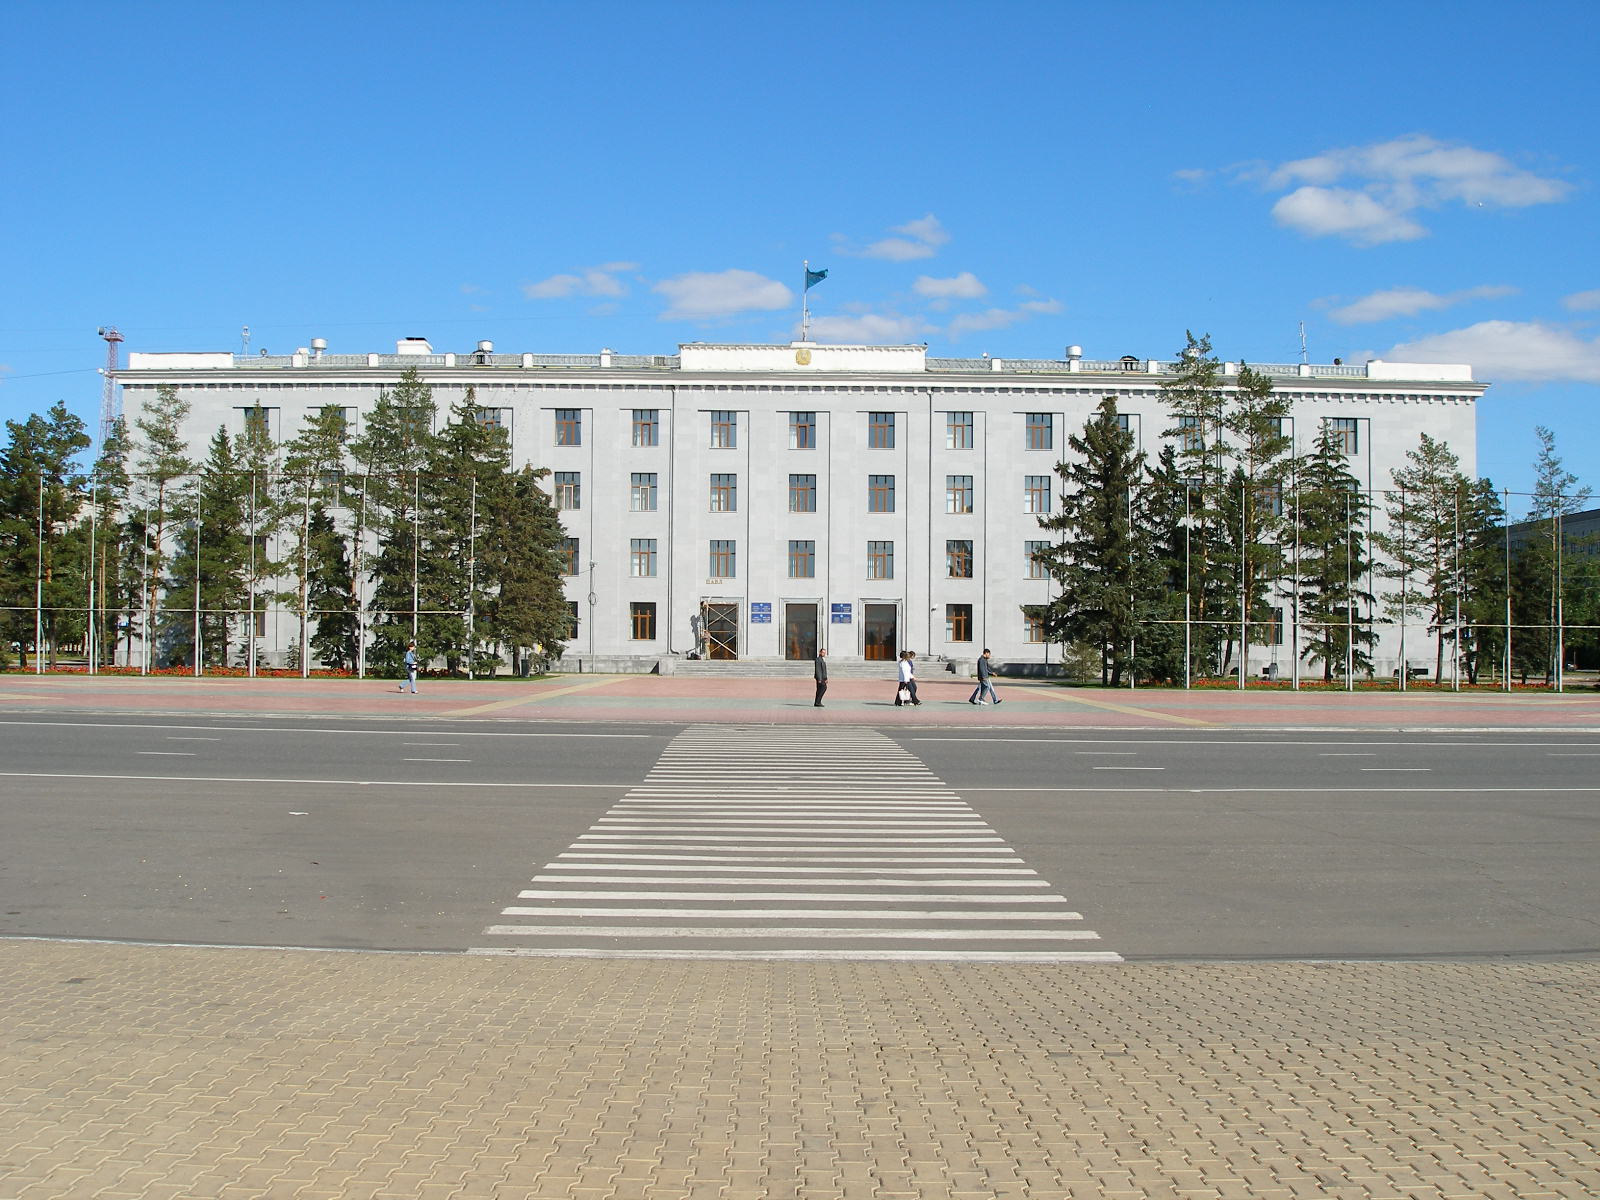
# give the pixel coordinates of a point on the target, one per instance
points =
(1424, 543)
(1556, 495)
(390, 456)
(262, 490)
(114, 591)
(1158, 518)
(1102, 562)
(163, 485)
(1196, 405)
(328, 593)
(211, 566)
(521, 552)
(1334, 605)
(313, 475)
(41, 554)
(1484, 580)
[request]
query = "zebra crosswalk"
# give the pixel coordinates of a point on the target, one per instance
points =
(792, 843)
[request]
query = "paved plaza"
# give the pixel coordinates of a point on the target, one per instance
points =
(137, 1072)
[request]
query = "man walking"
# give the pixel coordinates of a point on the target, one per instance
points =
(411, 668)
(819, 672)
(985, 672)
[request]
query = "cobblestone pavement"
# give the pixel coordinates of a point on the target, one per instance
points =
(181, 1074)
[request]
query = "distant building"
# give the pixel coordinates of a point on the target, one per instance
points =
(754, 501)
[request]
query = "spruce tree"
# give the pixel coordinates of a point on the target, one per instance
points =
(328, 593)
(209, 571)
(1331, 512)
(1556, 495)
(521, 551)
(162, 491)
(312, 477)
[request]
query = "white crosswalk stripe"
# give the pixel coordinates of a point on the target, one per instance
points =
(747, 840)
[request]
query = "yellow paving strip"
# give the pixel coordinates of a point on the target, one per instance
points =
(534, 697)
(1075, 698)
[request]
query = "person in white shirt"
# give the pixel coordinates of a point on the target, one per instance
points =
(908, 679)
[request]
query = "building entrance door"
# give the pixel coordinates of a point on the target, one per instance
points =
(882, 632)
(800, 631)
(722, 630)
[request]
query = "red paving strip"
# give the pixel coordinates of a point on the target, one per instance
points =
(678, 700)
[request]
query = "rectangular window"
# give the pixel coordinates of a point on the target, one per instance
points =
(489, 418)
(572, 621)
(880, 493)
(724, 560)
(724, 430)
(1036, 493)
(416, 422)
(642, 491)
(1041, 431)
(958, 622)
(958, 431)
(958, 559)
(646, 426)
(724, 493)
(880, 431)
(642, 558)
(1269, 632)
(958, 493)
(569, 426)
(802, 431)
(1032, 626)
(344, 419)
(802, 560)
(261, 623)
(1125, 422)
(330, 486)
(262, 422)
(1030, 553)
(1190, 439)
(802, 493)
(642, 616)
(880, 560)
(1348, 430)
(1269, 501)
(569, 489)
(571, 552)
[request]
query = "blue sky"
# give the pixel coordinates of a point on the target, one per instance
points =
(1411, 180)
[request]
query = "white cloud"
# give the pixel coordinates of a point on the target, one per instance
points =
(918, 239)
(1408, 301)
(594, 281)
(998, 318)
(703, 295)
(1339, 212)
(870, 329)
(1582, 301)
(965, 286)
(1368, 194)
(1509, 350)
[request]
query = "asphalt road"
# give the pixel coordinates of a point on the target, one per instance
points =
(396, 835)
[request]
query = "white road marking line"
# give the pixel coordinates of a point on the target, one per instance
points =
(977, 956)
(1347, 754)
(452, 760)
(168, 753)
(1127, 768)
(560, 866)
(860, 897)
(724, 881)
(821, 932)
(826, 914)
(1392, 769)
(175, 738)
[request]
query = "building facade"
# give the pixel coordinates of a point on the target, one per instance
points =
(753, 501)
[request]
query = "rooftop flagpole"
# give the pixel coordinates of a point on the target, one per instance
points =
(811, 277)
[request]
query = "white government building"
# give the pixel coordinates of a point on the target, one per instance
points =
(748, 501)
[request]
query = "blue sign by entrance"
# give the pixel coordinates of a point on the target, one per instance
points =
(760, 613)
(839, 614)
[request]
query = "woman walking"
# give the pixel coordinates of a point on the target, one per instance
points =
(905, 691)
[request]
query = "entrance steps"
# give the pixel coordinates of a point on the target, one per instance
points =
(778, 668)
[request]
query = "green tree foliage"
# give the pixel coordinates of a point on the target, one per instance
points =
(1104, 560)
(1330, 514)
(329, 595)
(208, 585)
(163, 481)
(115, 591)
(1543, 588)
(42, 552)
(312, 476)
(391, 454)
(521, 550)
(1424, 542)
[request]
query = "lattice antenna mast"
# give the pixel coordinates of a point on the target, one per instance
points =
(110, 400)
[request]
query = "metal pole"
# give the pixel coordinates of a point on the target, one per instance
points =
(355, 583)
(1294, 644)
(472, 579)
(305, 581)
(90, 640)
(1349, 599)
(1405, 590)
(144, 592)
(1455, 551)
(38, 586)
(1505, 516)
(1244, 583)
(416, 535)
(250, 623)
(197, 634)
(1560, 609)
(1188, 598)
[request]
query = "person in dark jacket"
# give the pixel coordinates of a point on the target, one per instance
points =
(819, 672)
(985, 672)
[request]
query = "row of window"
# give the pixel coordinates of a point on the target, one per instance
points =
(1038, 428)
(723, 558)
(957, 622)
(644, 489)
